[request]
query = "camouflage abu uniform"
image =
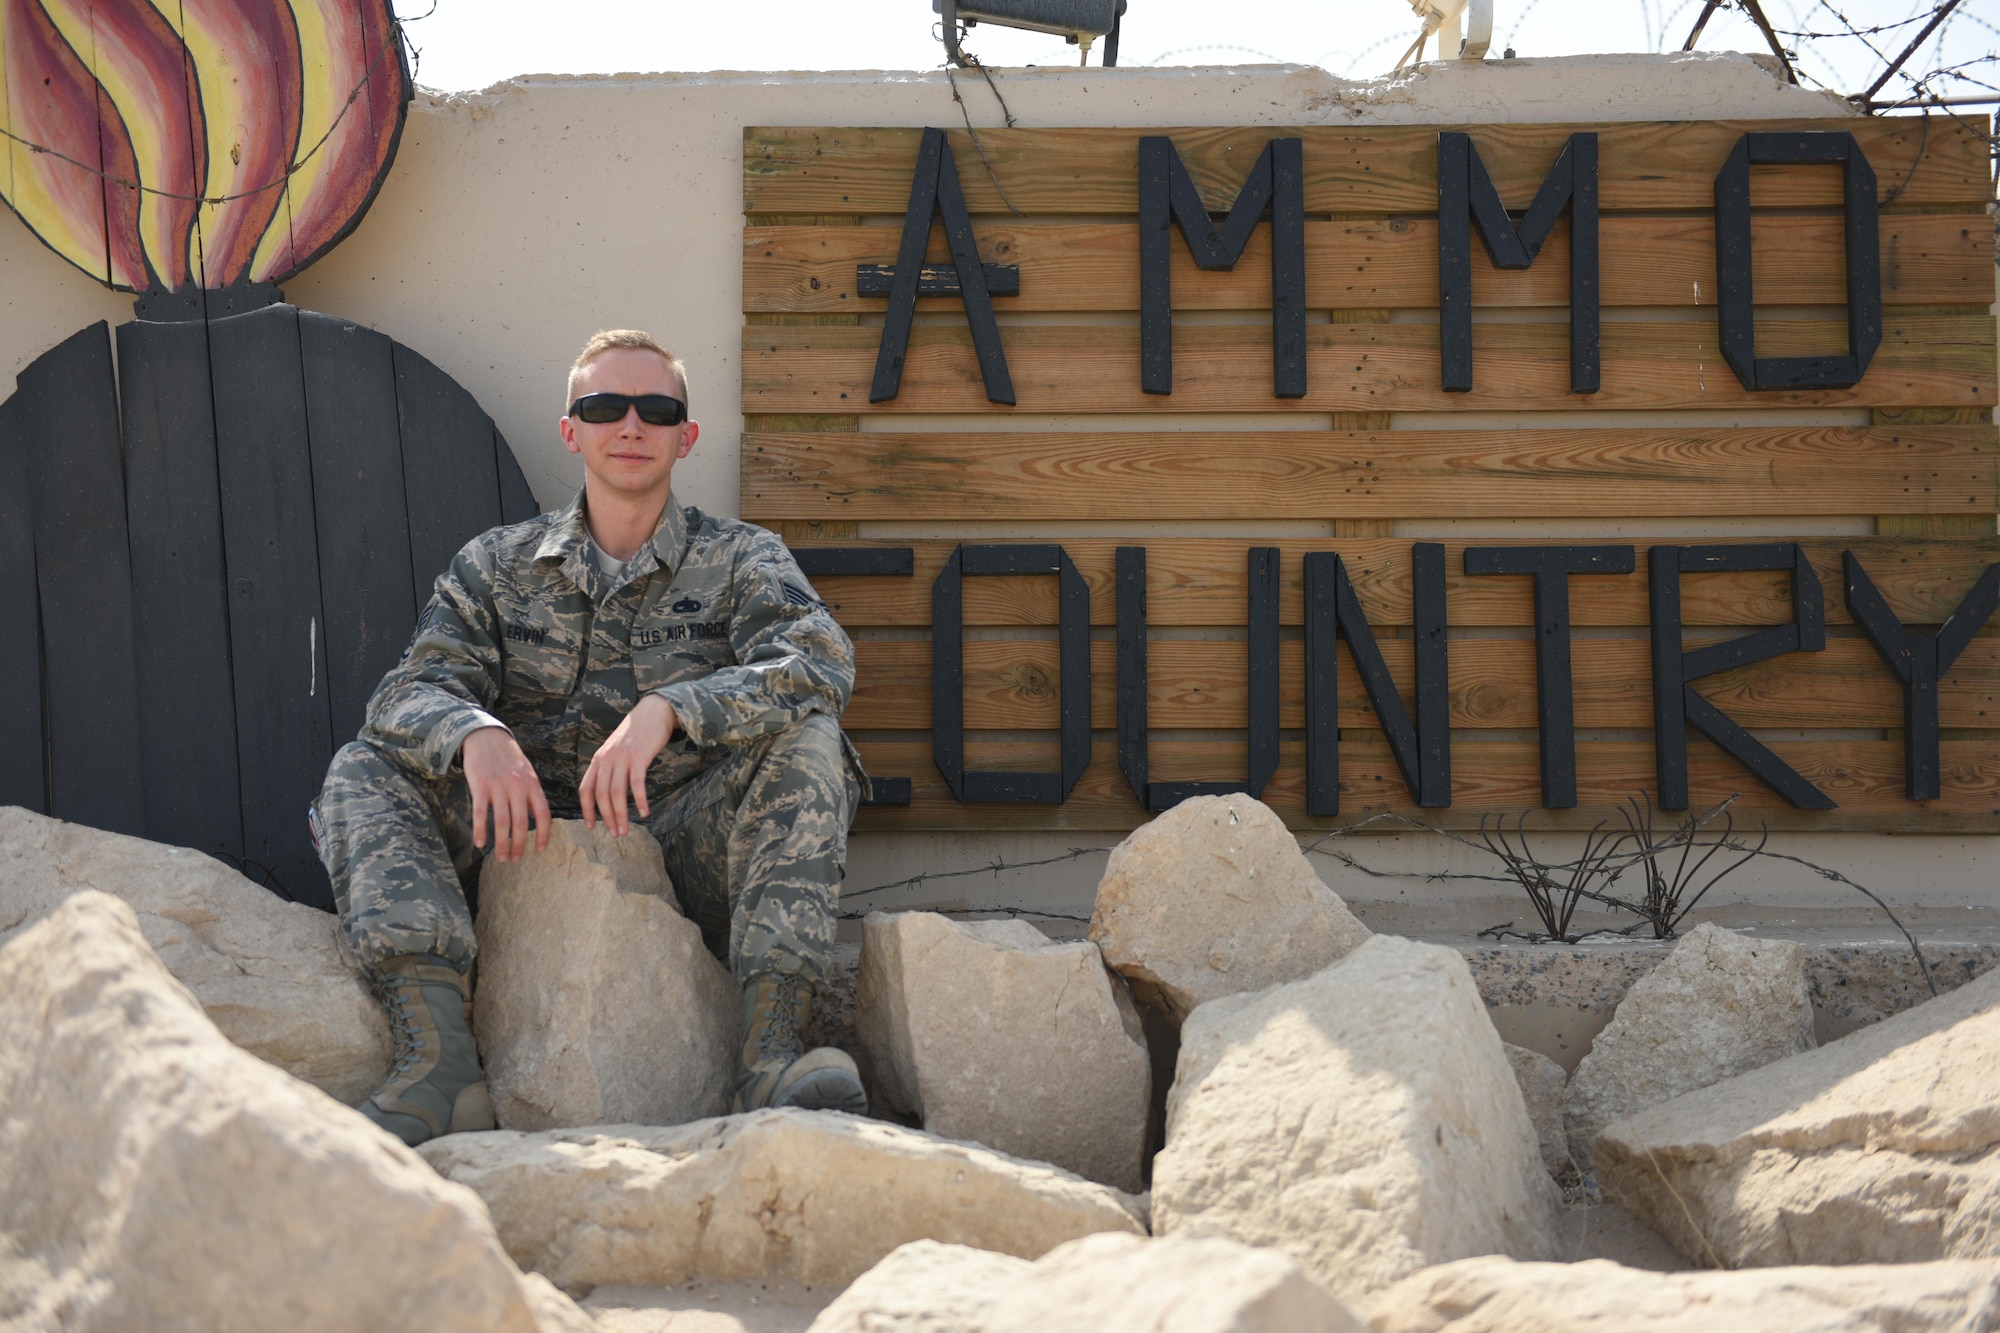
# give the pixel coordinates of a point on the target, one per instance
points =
(751, 799)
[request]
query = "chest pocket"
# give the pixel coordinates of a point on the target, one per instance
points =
(672, 648)
(539, 657)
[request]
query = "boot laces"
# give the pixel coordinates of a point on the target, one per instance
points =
(780, 1036)
(404, 1030)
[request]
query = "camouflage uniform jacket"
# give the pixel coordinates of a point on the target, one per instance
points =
(526, 631)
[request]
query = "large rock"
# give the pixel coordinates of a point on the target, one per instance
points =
(597, 1002)
(1882, 1147)
(1214, 898)
(158, 1177)
(927, 1286)
(989, 1031)
(271, 974)
(1719, 1005)
(1499, 1296)
(812, 1195)
(1364, 1120)
(1542, 1081)
(1108, 1283)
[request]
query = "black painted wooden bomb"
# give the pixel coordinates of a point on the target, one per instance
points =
(212, 553)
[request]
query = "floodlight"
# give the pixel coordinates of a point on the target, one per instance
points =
(1082, 22)
(1464, 29)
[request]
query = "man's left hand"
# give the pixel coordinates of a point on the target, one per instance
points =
(619, 767)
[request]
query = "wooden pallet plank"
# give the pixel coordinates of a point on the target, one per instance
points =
(1194, 581)
(362, 513)
(68, 414)
(517, 502)
(1406, 474)
(277, 627)
(23, 776)
(1348, 169)
(1925, 359)
(1384, 262)
(187, 694)
(1203, 685)
(1865, 777)
(450, 475)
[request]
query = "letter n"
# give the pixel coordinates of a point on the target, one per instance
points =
(1466, 197)
(1167, 195)
(1422, 751)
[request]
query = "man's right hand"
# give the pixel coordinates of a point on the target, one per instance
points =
(501, 779)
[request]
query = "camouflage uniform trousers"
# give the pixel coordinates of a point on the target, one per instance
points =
(755, 845)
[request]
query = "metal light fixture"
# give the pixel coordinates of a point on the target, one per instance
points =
(1082, 22)
(1464, 29)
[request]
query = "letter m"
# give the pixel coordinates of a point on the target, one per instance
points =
(1167, 195)
(1466, 197)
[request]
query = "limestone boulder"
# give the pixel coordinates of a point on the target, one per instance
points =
(159, 1177)
(597, 1002)
(271, 974)
(1108, 1283)
(990, 1031)
(1720, 1004)
(1494, 1295)
(1365, 1121)
(1214, 898)
(1542, 1081)
(926, 1286)
(815, 1196)
(1877, 1148)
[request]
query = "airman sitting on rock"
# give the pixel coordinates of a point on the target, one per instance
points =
(626, 653)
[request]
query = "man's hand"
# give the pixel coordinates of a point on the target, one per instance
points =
(620, 766)
(500, 777)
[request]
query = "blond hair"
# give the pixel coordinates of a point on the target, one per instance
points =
(615, 340)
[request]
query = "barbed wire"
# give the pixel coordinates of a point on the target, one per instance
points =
(1015, 912)
(1851, 30)
(990, 868)
(1610, 866)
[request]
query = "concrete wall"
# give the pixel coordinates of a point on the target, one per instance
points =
(520, 219)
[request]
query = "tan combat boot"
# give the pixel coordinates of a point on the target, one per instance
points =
(435, 1085)
(777, 1070)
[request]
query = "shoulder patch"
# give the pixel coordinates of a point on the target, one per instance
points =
(798, 596)
(431, 616)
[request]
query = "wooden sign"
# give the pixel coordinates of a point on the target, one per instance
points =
(1758, 280)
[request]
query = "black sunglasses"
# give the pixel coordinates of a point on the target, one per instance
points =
(655, 409)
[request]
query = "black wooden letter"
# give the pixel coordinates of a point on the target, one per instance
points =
(1551, 567)
(935, 189)
(1263, 650)
(1167, 195)
(1466, 196)
(1920, 662)
(1333, 612)
(1675, 702)
(948, 674)
(1735, 311)
(821, 562)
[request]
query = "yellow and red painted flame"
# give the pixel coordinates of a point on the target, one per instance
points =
(196, 143)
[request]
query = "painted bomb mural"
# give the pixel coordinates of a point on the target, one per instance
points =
(215, 544)
(198, 143)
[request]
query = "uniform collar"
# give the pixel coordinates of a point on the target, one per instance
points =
(568, 540)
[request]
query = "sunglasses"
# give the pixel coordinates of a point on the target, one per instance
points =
(655, 409)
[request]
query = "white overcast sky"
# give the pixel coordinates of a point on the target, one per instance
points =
(472, 43)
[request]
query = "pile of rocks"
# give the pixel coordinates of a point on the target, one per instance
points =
(1345, 1142)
